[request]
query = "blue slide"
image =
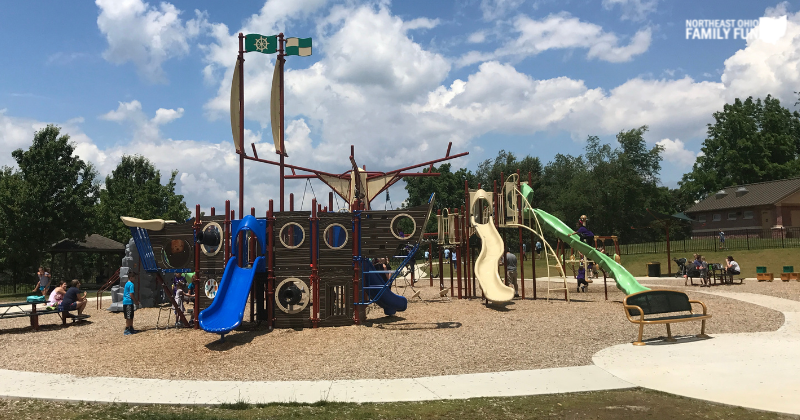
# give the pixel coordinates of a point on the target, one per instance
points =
(227, 310)
(390, 302)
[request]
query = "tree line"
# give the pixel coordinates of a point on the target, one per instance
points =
(53, 195)
(614, 185)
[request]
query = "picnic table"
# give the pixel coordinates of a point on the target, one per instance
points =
(28, 309)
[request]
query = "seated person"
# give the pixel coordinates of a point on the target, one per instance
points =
(692, 269)
(74, 299)
(57, 296)
(704, 272)
(732, 267)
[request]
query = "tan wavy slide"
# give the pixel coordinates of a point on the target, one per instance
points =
(486, 267)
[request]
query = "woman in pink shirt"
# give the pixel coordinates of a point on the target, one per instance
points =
(57, 295)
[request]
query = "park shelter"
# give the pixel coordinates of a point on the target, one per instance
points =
(110, 250)
(763, 206)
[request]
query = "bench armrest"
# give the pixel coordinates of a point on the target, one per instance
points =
(705, 309)
(627, 314)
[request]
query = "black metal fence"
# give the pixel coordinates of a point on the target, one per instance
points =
(710, 241)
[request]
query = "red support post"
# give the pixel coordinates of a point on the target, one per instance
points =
(451, 268)
(250, 259)
(226, 240)
(458, 251)
(330, 200)
(441, 264)
(196, 280)
(291, 202)
(521, 248)
(430, 263)
(356, 264)
(213, 211)
(270, 267)
(314, 265)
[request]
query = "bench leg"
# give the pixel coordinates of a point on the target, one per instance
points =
(669, 336)
(639, 342)
(35, 321)
(703, 331)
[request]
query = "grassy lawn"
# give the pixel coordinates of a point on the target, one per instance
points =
(773, 259)
(620, 404)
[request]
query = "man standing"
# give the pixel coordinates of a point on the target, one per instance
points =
(538, 248)
(511, 269)
(721, 239)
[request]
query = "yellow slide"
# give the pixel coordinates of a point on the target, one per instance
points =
(486, 265)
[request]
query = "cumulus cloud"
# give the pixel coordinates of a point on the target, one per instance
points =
(635, 10)
(495, 9)
(675, 152)
(477, 37)
(563, 31)
(145, 129)
(145, 35)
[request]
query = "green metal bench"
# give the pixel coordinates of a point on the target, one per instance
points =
(658, 302)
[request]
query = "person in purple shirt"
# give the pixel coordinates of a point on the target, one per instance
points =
(585, 234)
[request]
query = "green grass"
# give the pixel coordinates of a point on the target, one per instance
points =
(620, 404)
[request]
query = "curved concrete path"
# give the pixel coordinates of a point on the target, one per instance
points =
(17, 384)
(754, 370)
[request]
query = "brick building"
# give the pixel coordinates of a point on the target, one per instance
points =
(761, 206)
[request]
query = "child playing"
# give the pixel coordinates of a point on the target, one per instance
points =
(180, 297)
(128, 297)
(44, 281)
(581, 277)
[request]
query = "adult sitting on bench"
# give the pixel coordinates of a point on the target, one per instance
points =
(72, 301)
(652, 302)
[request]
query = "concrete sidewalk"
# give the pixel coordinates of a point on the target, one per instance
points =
(754, 370)
(15, 384)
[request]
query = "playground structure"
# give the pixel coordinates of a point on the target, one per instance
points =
(301, 269)
(510, 207)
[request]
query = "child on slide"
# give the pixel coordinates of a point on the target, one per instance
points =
(585, 234)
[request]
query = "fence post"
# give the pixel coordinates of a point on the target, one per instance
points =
(747, 235)
(782, 235)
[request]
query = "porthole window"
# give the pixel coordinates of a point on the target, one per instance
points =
(292, 235)
(176, 253)
(212, 239)
(403, 226)
(292, 295)
(335, 236)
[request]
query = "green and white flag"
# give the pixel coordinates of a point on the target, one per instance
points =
(298, 46)
(261, 43)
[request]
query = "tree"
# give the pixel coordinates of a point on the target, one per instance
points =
(134, 189)
(750, 141)
(51, 197)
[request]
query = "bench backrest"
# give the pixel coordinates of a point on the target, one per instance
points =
(658, 302)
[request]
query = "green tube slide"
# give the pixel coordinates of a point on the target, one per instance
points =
(625, 280)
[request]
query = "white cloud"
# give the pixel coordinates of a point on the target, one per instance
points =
(144, 129)
(477, 37)
(766, 68)
(495, 9)
(635, 10)
(563, 31)
(145, 35)
(420, 23)
(675, 152)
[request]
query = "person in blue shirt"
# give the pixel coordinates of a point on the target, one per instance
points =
(128, 297)
(447, 255)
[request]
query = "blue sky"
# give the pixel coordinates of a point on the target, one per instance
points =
(397, 79)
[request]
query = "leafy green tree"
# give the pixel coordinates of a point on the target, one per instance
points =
(134, 189)
(506, 163)
(750, 141)
(51, 197)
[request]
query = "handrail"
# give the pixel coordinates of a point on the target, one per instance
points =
(110, 282)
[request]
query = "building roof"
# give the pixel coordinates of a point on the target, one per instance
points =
(758, 194)
(93, 243)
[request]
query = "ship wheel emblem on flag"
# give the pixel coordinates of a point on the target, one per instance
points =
(262, 44)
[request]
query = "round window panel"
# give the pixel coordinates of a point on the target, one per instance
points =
(292, 295)
(210, 288)
(292, 235)
(335, 236)
(212, 239)
(403, 226)
(176, 253)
